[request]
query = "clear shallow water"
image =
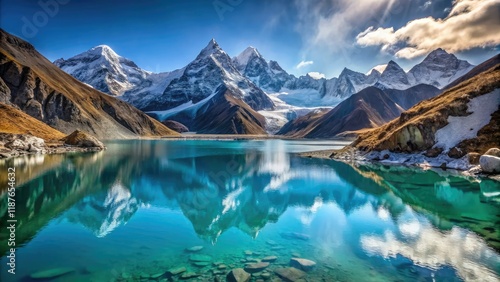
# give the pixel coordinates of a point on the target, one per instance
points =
(132, 210)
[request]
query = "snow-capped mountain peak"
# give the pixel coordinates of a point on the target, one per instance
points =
(267, 75)
(244, 57)
(439, 69)
(104, 69)
(211, 48)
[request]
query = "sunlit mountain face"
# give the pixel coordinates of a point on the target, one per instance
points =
(154, 199)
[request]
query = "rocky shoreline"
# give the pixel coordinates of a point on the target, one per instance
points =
(487, 165)
(15, 145)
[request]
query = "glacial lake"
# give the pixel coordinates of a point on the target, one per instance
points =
(131, 213)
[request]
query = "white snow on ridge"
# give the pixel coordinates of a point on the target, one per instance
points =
(463, 128)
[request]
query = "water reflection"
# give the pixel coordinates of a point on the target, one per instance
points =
(379, 213)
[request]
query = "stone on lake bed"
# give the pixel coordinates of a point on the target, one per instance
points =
(189, 275)
(238, 275)
(200, 258)
(302, 264)
(176, 271)
(295, 235)
(52, 273)
(271, 242)
(201, 263)
(195, 249)
(270, 259)
(157, 275)
(222, 266)
(248, 253)
(256, 267)
(290, 274)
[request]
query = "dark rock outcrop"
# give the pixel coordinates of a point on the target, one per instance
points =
(176, 126)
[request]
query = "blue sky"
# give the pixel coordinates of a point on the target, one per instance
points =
(325, 35)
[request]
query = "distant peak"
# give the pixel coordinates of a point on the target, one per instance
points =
(439, 53)
(211, 48)
(103, 50)
(246, 55)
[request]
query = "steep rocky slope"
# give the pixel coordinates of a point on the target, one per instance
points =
(37, 87)
(369, 108)
(463, 119)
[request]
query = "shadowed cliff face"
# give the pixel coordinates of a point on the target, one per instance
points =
(31, 83)
(247, 190)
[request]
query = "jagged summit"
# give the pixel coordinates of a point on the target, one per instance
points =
(211, 48)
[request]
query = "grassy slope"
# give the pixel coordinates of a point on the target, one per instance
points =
(17, 122)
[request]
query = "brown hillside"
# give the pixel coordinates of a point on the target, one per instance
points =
(16, 122)
(48, 94)
(224, 114)
(371, 107)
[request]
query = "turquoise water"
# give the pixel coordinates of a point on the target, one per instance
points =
(131, 212)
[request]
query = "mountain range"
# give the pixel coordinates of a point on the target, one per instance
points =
(214, 94)
(32, 84)
(264, 97)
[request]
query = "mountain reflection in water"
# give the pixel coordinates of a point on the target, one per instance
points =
(387, 214)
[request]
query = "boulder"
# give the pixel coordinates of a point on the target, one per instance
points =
(82, 139)
(238, 275)
(473, 158)
(290, 274)
(256, 267)
(490, 164)
(493, 152)
(302, 264)
(17, 144)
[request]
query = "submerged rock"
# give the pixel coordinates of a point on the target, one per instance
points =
(52, 273)
(302, 264)
(189, 275)
(256, 267)
(176, 271)
(295, 235)
(238, 275)
(195, 249)
(290, 274)
(270, 259)
(200, 258)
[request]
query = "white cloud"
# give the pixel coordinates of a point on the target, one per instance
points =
(426, 5)
(304, 64)
(316, 75)
(331, 24)
(469, 24)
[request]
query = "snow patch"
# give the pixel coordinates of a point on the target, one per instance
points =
(463, 128)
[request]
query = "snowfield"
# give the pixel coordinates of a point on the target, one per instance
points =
(463, 128)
